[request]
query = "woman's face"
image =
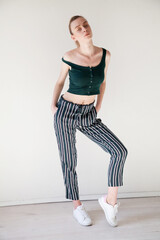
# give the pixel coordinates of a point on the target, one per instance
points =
(81, 29)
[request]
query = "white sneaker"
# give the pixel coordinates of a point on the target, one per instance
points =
(110, 211)
(82, 216)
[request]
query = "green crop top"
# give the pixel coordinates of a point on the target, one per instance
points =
(85, 80)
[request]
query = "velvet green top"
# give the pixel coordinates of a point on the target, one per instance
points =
(85, 80)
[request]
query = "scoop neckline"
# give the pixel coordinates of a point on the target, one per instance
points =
(87, 66)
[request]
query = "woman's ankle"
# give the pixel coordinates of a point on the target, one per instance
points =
(109, 201)
(76, 203)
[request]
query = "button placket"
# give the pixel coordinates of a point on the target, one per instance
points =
(91, 78)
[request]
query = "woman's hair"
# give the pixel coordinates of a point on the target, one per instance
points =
(71, 20)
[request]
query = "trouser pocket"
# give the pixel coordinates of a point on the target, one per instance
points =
(57, 105)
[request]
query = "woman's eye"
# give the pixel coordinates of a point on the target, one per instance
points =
(80, 28)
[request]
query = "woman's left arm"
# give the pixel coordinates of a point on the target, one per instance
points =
(103, 85)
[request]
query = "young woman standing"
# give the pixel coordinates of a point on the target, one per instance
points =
(87, 67)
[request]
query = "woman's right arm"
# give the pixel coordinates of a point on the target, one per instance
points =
(59, 85)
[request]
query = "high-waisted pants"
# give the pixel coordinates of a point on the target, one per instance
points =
(69, 117)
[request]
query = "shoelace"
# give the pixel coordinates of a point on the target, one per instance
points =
(83, 212)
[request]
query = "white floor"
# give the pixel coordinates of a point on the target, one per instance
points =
(138, 218)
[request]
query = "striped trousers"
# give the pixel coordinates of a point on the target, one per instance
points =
(69, 117)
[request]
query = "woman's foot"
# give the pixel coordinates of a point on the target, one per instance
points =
(110, 211)
(82, 216)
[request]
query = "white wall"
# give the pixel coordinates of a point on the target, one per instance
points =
(33, 37)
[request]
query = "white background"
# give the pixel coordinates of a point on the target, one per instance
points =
(34, 36)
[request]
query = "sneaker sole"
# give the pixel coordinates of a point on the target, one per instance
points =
(101, 204)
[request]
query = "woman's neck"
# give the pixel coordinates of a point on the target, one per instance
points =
(87, 49)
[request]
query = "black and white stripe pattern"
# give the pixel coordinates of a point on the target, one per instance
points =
(69, 117)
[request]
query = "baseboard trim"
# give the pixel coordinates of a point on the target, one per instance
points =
(82, 197)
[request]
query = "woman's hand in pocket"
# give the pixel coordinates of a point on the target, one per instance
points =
(54, 109)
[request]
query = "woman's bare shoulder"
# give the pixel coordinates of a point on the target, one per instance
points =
(108, 55)
(69, 54)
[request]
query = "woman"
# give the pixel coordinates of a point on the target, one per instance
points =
(87, 67)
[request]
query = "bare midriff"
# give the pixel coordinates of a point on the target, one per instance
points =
(79, 99)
